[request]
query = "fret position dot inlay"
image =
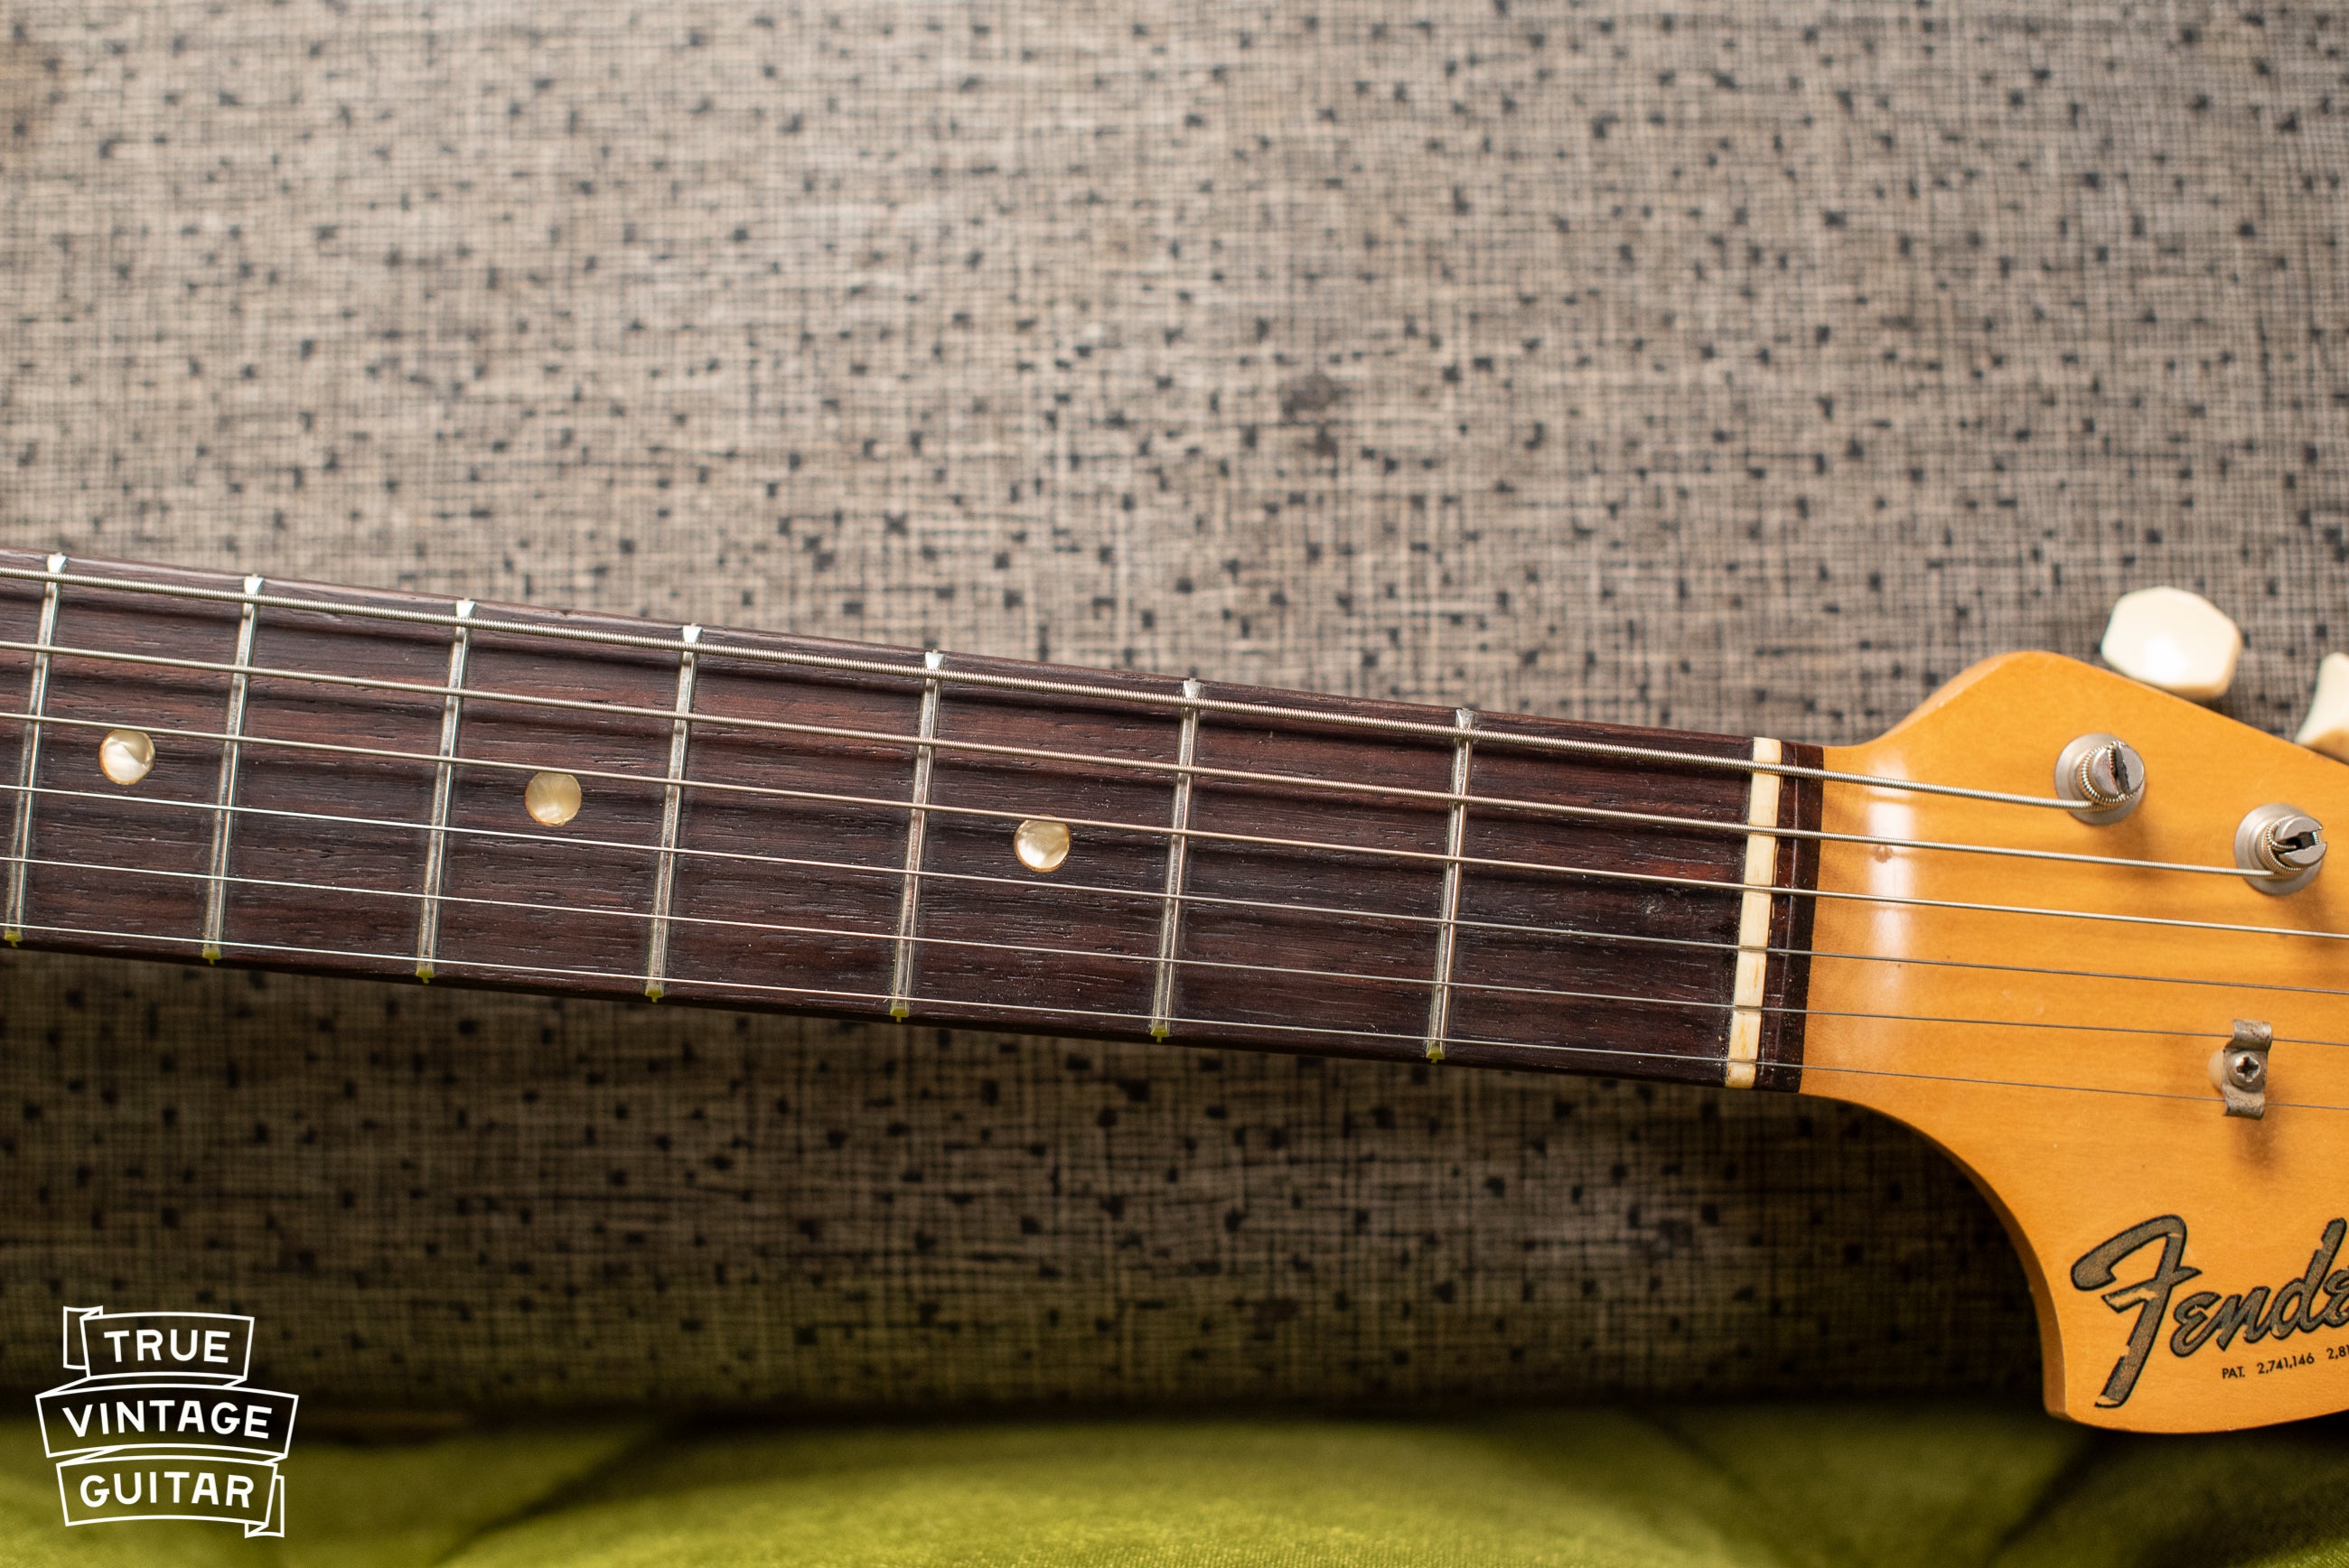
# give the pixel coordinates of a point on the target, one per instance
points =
(125, 755)
(1041, 843)
(551, 799)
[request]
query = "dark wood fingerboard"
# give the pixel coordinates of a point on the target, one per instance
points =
(753, 855)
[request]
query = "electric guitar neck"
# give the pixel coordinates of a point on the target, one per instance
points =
(2071, 928)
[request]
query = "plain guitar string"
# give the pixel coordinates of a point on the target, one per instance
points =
(1101, 1015)
(895, 873)
(1193, 770)
(662, 781)
(1152, 830)
(891, 871)
(56, 575)
(1597, 873)
(1034, 950)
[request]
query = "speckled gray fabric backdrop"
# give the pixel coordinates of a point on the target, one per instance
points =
(1752, 367)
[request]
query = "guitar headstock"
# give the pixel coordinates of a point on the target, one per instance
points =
(2072, 1014)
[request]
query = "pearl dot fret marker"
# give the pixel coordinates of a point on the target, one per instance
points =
(2022, 922)
(551, 799)
(1041, 843)
(125, 756)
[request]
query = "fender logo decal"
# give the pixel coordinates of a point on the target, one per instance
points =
(2257, 1313)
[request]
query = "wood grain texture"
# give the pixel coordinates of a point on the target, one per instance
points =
(1311, 918)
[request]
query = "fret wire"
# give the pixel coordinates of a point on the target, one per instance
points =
(901, 969)
(1103, 1017)
(672, 805)
(1542, 808)
(36, 702)
(1078, 688)
(444, 772)
(223, 820)
(1036, 950)
(1178, 842)
(1447, 933)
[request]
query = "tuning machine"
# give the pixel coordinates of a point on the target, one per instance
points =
(2104, 774)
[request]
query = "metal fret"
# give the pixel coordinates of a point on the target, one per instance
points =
(901, 979)
(224, 812)
(1447, 933)
(20, 839)
(672, 807)
(1178, 842)
(1749, 994)
(436, 842)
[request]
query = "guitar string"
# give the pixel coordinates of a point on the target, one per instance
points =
(1153, 830)
(893, 805)
(669, 716)
(672, 717)
(1301, 715)
(1174, 701)
(1414, 982)
(895, 873)
(1420, 856)
(1434, 797)
(1099, 1016)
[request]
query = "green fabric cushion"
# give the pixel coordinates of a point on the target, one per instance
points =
(1769, 1487)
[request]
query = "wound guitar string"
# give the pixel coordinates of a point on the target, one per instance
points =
(786, 928)
(354, 611)
(1456, 801)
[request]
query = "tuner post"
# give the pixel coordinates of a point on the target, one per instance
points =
(2104, 774)
(2281, 846)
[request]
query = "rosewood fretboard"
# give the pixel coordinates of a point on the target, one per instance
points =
(770, 822)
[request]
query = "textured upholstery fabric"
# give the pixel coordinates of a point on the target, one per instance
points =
(1753, 368)
(1933, 1485)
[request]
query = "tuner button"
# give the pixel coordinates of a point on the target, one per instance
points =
(2176, 641)
(2327, 729)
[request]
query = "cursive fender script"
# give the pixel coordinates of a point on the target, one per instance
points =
(2205, 1316)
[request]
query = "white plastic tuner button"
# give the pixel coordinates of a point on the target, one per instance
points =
(2327, 729)
(2178, 640)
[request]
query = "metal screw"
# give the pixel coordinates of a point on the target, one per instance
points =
(2246, 1069)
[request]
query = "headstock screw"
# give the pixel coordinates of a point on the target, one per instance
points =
(2239, 1070)
(2105, 774)
(2283, 841)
